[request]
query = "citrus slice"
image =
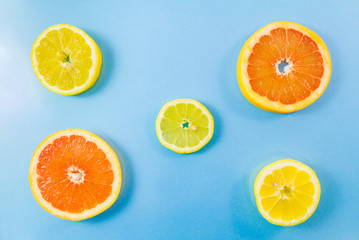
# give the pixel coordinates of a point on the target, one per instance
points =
(184, 125)
(283, 67)
(66, 60)
(75, 175)
(287, 192)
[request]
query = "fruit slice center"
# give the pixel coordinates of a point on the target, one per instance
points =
(74, 174)
(286, 192)
(185, 124)
(285, 66)
(63, 56)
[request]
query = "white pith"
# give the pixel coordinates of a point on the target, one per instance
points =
(110, 155)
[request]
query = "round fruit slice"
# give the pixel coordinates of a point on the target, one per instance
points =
(287, 192)
(66, 60)
(283, 67)
(184, 125)
(75, 175)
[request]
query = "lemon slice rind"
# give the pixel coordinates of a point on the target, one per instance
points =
(94, 71)
(279, 165)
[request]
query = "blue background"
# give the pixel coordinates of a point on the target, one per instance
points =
(157, 51)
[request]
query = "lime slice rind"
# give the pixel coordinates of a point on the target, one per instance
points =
(188, 140)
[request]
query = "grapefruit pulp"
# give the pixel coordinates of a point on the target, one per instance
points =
(283, 67)
(75, 175)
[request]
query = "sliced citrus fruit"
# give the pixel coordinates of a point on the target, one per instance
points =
(184, 125)
(66, 60)
(75, 175)
(283, 67)
(287, 192)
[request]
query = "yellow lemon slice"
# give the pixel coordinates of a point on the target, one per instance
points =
(75, 175)
(184, 125)
(283, 67)
(287, 192)
(66, 60)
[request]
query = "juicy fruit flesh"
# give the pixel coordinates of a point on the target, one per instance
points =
(300, 77)
(74, 174)
(184, 125)
(64, 59)
(287, 193)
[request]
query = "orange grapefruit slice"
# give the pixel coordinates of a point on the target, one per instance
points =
(75, 175)
(283, 67)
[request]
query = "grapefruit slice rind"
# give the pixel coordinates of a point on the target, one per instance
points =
(91, 173)
(305, 75)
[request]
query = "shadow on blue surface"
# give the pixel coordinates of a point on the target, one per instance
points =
(249, 223)
(241, 106)
(231, 92)
(331, 94)
(107, 67)
(246, 219)
(329, 199)
(217, 128)
(127, 187)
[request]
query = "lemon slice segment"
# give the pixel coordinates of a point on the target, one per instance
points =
(66, 60)
(184, 125)
(287, 192)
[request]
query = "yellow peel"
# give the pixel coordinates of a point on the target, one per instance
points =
(96, 59)
(192, 127)
(280, 186)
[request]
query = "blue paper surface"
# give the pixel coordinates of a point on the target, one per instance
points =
(157, 51)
